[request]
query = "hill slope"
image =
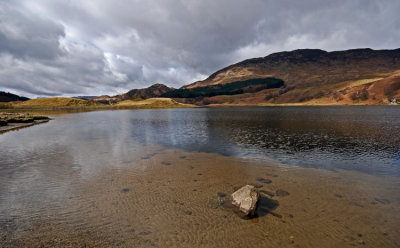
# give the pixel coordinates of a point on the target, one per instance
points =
(152, 103)
(156, 90)
(359, 76)
(55, 102)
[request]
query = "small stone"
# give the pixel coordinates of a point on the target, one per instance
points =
(246, 199)
(264, 180)
(258, 185)
(281, 192)
(221, 194)
(338, 195)
(382, 201)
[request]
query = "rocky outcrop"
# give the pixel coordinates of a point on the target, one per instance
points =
(245, 199)
(6, 118)
(11, 121)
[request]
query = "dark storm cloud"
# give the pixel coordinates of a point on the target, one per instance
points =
(76, 47)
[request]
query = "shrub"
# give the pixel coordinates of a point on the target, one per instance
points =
(360, 95)
(319, 94)
(305, 98)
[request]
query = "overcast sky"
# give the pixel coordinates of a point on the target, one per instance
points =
(76, 47)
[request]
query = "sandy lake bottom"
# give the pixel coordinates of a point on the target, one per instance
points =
(172, 198)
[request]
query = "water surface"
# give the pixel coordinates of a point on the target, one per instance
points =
(158, 178)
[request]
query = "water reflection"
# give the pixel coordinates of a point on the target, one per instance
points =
(362, 138)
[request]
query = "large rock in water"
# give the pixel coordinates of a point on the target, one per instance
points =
(246, 199)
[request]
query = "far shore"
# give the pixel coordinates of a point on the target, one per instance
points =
(151, 103)
(293, 105)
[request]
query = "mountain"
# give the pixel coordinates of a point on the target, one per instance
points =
(8, 97)
(358, 76)
(156, 90)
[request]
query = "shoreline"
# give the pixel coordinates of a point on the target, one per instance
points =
(12, 121)
(67, 109)
(295, 105)
(16, 126)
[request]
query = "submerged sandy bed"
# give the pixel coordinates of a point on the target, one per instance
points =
(171, 198)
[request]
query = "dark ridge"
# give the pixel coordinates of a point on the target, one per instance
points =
(234, 88)
(9, 97)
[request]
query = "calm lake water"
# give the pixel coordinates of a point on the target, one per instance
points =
(354, 138)
(40, 165)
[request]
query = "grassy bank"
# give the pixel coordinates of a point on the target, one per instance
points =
(71, 105)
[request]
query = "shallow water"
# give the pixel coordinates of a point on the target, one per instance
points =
(161, 178)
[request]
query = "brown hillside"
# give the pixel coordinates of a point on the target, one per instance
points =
(342, 77)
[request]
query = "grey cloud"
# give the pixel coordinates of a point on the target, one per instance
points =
(107, 47)
(27, 35)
